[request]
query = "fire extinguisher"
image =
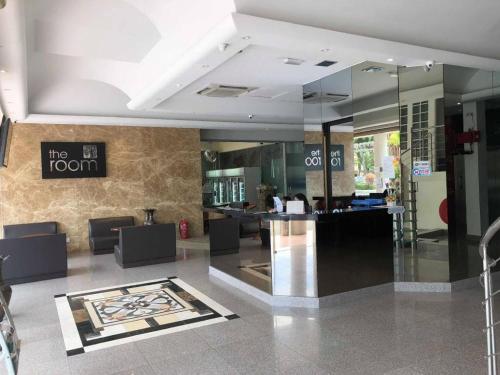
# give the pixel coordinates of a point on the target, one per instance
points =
(184, 229)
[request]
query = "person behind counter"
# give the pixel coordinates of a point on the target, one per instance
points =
(303, 198)
(270, 203)
(320, 205)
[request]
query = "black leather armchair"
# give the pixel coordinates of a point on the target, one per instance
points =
(101, 238)
(35, 252)
(144, 245)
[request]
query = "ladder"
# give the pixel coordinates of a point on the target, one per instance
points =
(9, 343)
(485, 280)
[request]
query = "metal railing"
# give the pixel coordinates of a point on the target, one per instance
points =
(488, 264)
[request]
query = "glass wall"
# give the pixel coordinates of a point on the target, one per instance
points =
(329, 101)
(281, 164)
(472, 104)
(423, 175)
(376, 127)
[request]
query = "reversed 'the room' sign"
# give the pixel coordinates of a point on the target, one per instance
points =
(73, 159)
(313, 157)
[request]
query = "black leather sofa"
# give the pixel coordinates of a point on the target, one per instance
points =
(144, 245)
(35, 252)
(102, 239)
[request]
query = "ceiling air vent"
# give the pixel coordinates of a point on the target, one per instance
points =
(326, 63)
(224, 91)
(316, 97)
(372, 69)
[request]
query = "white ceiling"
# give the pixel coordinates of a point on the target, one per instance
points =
(144, 60)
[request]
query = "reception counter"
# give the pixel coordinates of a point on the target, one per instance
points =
(311, 255)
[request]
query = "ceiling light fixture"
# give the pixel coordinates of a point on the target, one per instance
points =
(3, 71)
(458, 103)
(178, 84)
(325, 49)
(292, 61)
(390, 59)
(246, 37)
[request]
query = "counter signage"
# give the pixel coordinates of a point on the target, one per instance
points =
(422, 168)
(313, 157)
(73, 159)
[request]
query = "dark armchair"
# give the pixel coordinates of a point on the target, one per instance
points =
(102, 239)
(35, 252)
(144, 245)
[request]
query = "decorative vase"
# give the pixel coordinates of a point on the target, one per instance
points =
(148, 216)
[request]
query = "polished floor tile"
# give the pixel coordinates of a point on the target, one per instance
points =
(383, 334)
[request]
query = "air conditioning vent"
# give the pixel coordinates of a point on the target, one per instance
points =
(372, 69)
(326, 63)
(224, 91)
(316, 97)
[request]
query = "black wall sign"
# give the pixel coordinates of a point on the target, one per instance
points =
(313, 157)
(73, 159)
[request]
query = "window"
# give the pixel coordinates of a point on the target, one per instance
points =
(419, 129)
(403, 123)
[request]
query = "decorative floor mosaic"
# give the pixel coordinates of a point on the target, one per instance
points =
(100, 318)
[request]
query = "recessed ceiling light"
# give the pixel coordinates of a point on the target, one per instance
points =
(458, 103)
(292, 61)
(246, 37)
(178, 84)
(3, 71)
(390, 59)
(325, 49)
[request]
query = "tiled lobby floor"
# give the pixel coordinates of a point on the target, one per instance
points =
(384, 334)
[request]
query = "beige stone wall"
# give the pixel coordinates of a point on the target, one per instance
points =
(342, 182)
(146, 167)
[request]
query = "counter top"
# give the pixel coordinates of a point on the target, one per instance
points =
(235, 212)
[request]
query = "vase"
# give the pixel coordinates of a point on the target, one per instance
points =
(148, 216)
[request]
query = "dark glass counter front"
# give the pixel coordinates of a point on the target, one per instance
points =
(313, 255)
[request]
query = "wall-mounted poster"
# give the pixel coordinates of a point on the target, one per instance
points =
(73, 159)
(313, 157)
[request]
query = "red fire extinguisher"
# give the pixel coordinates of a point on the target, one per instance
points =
(184, 229)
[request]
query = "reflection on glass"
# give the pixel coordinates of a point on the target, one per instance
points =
(376, 124)
(472, 104)
(423, 189)
(293, 246)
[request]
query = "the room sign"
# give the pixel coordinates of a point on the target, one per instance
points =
(313, 157)
(73, 159)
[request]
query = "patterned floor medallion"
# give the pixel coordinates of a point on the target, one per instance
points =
(96, 319)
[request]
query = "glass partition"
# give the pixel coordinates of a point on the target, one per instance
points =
(329, 101)
(376, 127)
(472, 105)
(423, 175)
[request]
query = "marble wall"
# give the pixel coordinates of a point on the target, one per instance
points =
(146, 167)
(342, 182)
